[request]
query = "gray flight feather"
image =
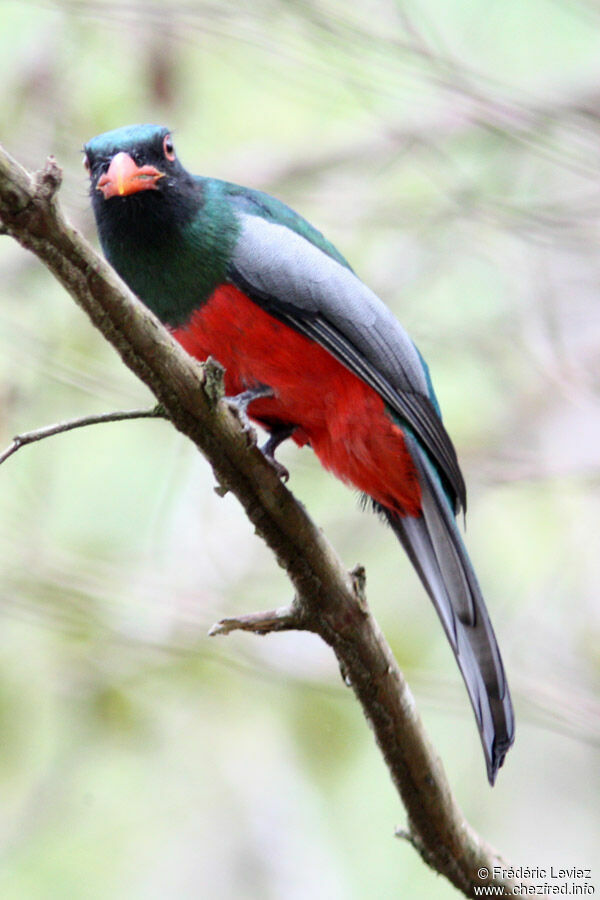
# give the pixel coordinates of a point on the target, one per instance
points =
(315, 294)
(281, 263)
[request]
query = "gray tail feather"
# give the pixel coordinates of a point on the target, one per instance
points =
(436, 550)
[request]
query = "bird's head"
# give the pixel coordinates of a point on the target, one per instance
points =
(139, 189)
(130, 160)
(149, 214)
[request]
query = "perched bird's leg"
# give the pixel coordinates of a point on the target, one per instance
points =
(278, 435)
(240, 402)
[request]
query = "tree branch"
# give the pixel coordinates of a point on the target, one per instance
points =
(328, 601)
(30, 437)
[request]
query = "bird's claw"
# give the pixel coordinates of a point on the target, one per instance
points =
(239, 406)
(239, 409)
(277, 436)
(280, 469)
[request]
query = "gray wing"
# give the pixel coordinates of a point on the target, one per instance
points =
(304, 287)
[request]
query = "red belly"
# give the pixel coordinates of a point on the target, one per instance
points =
(342, 418)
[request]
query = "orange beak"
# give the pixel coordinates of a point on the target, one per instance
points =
(125, 177)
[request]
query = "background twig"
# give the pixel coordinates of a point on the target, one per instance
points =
(40, 434)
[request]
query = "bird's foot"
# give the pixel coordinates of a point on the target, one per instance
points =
(278, 435)
(240, 402)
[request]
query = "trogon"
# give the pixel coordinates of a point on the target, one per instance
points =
(316, 355)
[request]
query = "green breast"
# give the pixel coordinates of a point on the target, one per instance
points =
(172, 263)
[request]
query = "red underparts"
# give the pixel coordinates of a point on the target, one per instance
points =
(342, 418)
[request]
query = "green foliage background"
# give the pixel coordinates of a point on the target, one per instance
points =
(451, 151)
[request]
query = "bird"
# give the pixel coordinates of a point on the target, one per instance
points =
(313, 355)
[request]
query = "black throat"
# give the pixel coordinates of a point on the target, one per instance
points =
(159, 241)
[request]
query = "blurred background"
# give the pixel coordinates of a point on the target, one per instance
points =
(451, 150)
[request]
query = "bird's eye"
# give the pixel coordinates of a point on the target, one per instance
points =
(86, 164)
(168, 148)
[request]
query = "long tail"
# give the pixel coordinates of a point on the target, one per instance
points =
(435, 548)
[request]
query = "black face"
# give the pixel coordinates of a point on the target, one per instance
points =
(137, 180)
(145, 144)
(144, 202)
